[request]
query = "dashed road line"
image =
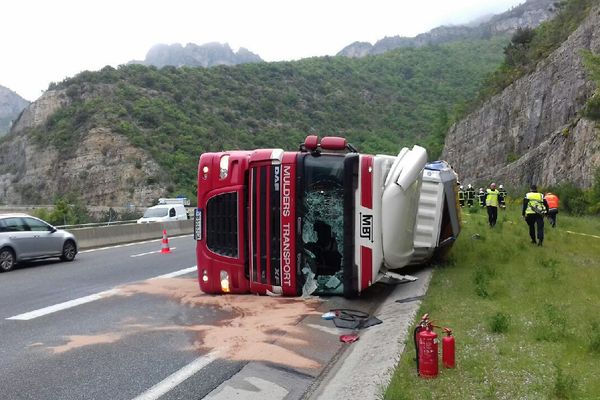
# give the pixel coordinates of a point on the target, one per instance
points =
(149, 252)
(177, 377)
(87, 299)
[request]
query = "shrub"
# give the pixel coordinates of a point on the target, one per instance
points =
(499, 323)
(594, 337)
(564, 385)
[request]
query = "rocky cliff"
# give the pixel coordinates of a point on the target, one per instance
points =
(531, 132)
(31, 174)
(529, 14)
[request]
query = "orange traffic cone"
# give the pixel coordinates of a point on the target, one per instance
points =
(165, 243)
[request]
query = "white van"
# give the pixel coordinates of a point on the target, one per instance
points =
(164, 213)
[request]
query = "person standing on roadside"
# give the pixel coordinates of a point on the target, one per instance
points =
(502, 197)
(470, 195)
(481, 197)
(461, 196)
(534, 209)
(491, 202)
(552, 201)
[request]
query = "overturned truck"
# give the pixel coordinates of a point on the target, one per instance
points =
(321, 220)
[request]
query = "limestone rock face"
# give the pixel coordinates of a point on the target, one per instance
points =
(38, 112)
(531, 132)
(104, 169)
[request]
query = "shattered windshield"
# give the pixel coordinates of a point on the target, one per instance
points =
(323, 223)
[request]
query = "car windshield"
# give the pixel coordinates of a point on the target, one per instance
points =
(156, 212)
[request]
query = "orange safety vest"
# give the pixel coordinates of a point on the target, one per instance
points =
(552, 200)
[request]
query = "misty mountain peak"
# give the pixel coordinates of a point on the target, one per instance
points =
(193, 55)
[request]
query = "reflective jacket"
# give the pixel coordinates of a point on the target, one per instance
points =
(491, 198)
(552, 200)
(534, 200)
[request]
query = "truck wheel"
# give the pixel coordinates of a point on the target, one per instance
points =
(7, 260)
(69, 251)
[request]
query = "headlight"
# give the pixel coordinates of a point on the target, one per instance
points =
(224, 282)
(224, 167)
(204, 276)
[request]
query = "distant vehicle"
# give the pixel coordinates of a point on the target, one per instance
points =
(23, 237)
(166, 210)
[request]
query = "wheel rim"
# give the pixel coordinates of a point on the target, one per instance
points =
(6, 260)
(69, 251)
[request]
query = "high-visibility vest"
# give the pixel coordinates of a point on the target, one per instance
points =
(492, 198)
(461, 195)
(535, 199)
(552, 200)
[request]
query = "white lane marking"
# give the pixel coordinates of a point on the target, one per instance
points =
(88, 299)
(176, 273)
(150, 252)
(63, 306)
(116, 246)
(177, 377)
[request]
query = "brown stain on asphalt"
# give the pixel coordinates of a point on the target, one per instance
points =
(77, 341)
(259, 328)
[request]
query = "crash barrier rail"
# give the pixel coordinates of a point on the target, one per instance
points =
(95, 224)
(99, 236)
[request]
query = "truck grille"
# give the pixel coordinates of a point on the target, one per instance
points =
(265, 236)
(222, 224)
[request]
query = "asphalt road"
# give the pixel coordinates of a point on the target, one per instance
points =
(128, 322)
(115, 345)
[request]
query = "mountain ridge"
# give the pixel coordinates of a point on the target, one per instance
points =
(11, 105)
(193, 55)
(527, 15)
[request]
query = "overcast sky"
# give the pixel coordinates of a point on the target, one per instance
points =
(43, 41)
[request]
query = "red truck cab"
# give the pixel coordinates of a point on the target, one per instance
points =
(311, 221)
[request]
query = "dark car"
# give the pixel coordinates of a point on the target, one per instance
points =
(23, 237)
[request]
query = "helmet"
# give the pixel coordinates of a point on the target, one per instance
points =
(469, 186)
(461, 187)
(481, 189)
(501, 187)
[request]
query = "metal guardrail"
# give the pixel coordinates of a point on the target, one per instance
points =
(115, 233)
(96, 224)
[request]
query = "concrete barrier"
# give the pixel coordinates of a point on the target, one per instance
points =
(120, 234)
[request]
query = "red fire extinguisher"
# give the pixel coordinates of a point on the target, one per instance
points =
(426, 341)
(448, 355)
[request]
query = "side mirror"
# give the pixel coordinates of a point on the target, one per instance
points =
(311, 143)
(333, 143)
